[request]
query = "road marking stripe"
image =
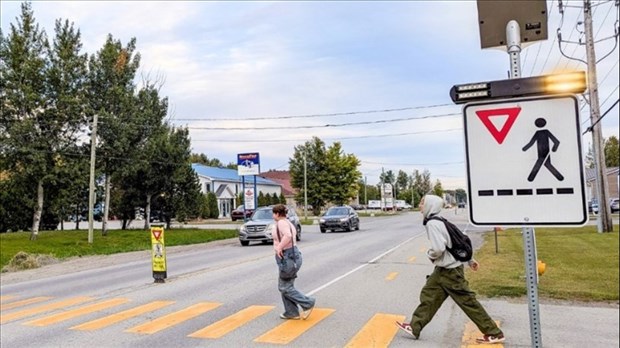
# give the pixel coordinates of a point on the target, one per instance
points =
(470, 334)
(175, 318)
(28, 301)
(70, 314)
(6, 297)
(391, 276)
(115, 318)
(291, 329)
(41, 309)
(412, 259)
(378, 331)
(232, 322)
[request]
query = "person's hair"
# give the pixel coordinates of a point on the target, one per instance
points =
(279, 209)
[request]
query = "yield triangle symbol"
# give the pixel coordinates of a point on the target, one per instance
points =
(499, 134)
(157, 234)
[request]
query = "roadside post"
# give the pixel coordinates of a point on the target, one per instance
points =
(158, 254)
(522, 140)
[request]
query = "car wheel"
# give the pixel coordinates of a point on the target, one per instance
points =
(348, 228)
(298, 236)
(357, 227)
(233, 219)
(323, 230)
(245, 242)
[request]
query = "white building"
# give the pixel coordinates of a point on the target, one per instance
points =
(227, 185)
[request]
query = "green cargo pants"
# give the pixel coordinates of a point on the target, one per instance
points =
(444, 282)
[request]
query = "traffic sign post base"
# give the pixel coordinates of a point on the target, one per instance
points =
(531, 276)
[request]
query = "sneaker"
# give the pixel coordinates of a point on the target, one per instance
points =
(407, 328)
(306, 313)
(283, 316)
(491, 339)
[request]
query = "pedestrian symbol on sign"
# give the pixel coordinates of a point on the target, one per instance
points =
(542, 138)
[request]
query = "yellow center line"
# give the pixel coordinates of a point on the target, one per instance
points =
(70, 314)
(470, 334)
(25, 302)
(291, 329)
(6, 297)
(412, 259)
(41, 309)
(175, 318)
(391, 276)
(378, 331)
(232, 322)
(115, 318)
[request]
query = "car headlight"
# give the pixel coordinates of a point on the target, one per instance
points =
(270, 229)
(344, 219)
(242, 229)
(321, 220)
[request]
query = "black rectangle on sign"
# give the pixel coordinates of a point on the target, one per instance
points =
(504, 192)
(544, 191)
(565, 190)
(485, 193)
(524, 192)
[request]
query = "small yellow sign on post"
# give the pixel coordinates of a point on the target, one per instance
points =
(158, 254)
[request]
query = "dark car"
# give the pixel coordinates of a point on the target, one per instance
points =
(339, 218)
(461, 204)
(240, 213)
(261, 226)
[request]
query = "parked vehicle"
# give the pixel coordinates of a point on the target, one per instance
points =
(261, 226)
(614, 205)
(461, 204)
(339, 218)
(240, 213)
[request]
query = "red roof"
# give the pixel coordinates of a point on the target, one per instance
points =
(282, 177)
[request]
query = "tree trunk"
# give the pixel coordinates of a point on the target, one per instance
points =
(106, 208)
(38, 210)
(147, 212)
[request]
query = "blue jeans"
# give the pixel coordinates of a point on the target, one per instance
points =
(291, 297)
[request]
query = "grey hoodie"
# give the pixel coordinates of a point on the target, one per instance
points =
(437, 234)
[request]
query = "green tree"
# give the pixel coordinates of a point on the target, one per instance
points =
(111, 85)
(342, 175)
(262, 200)
(203, 159)
(437, 188)
(461, 195)
(315, 153)
(214, 210)
(612, 154)
(282, 199)
(402, 181)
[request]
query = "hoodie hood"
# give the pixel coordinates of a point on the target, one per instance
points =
(432, 205)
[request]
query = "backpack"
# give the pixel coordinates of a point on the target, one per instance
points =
(461, 244)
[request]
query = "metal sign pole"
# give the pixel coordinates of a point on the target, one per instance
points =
(513, 44)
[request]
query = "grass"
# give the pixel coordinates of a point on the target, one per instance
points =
(582, 265)
(64, 244)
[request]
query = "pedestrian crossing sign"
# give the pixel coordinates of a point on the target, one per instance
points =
(524, 162)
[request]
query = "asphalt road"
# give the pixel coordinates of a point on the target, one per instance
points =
(223, 294)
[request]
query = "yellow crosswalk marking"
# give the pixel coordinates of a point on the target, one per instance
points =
(6, 306)
(6, 297)
(175, 318)
(41, 309)
(291, 329)
(470, 334)
(423, 250)
(391, 276)
(70, 314)
(378, 332)
(115, 318)
(232, 322)
(412, 259)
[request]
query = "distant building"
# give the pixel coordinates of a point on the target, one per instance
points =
(227, 185)
(283, 177)
(612, 182)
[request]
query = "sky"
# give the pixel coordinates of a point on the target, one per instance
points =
(374, 76)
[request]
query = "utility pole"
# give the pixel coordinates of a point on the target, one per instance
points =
(383, 191)
(305, 188)
(605, 223)
(91, 193)
(365, 196)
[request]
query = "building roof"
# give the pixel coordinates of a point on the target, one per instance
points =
(282, 177)
(226, 174)
(591, 172)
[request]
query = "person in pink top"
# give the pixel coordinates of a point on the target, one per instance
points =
(288, 255)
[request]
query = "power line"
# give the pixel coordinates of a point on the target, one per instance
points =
(329, 139)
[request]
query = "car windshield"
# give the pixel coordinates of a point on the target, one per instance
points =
(262, 214)
(337, 211)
